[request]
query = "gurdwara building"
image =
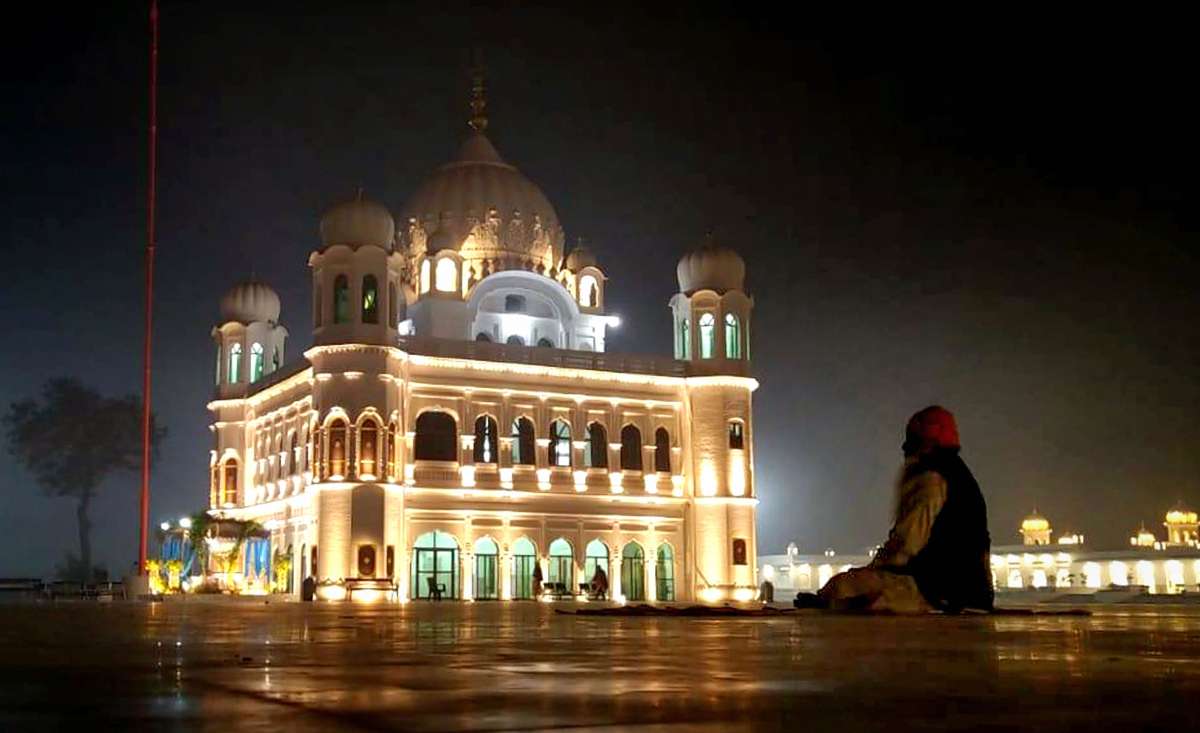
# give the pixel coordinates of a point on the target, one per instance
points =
(458, 420)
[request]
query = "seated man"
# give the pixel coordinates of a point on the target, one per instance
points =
(937, 554)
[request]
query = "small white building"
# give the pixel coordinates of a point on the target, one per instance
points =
(458, 420)
(1039, 563)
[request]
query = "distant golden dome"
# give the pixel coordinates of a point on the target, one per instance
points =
(1181, 516)
(1035, 523)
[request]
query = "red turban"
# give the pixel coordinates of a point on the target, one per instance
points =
(933, 427)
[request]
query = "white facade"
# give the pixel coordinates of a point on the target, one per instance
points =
(458, 420)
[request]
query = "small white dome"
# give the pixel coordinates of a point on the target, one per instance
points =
(249, 302)
(713, 267)
(358, 222)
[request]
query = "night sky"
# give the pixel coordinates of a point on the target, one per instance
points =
(1004, 227)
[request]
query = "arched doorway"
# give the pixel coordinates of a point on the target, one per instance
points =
(524, 555)
(487, 556)
(562, 565)
(435, 565)
(596, 557)
(664, 573)
(633, 572)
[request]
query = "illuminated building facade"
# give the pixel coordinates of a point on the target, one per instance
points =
(458, 420)
(1149, 565)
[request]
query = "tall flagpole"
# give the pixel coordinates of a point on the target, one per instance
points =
(150, 210)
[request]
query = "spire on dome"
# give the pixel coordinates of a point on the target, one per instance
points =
(478, 121)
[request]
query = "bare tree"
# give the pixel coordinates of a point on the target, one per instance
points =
(71, 440)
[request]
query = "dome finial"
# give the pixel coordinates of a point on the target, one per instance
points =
(478, 121)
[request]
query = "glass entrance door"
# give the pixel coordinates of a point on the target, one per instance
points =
(486, 587)
(524, 556)
(435, 566)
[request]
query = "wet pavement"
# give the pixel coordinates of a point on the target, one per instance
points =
(239, 665)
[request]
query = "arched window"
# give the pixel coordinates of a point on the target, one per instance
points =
(522, 442)
(545, 342)
(425, 276)
(294, 454)
(662, 451)
(664, 573)
(341, 300)
(515, 339)
(524, 555)
(337, 449)
(481, 336)
(447, 274)
(437, 437)
(276, 359)
(633, 572)
(229, 486)
(596, 557)
(737, 439)
(631, 448)
(733, 337)
(562, 565)
(560, 443)
(514, 304)
(392, 306)
(256, 362)
(487, 446)
(707, 335)
(487, 555)
(588, 291)
(370, 299)
(596, 453)
(235, 363)
(368, 446)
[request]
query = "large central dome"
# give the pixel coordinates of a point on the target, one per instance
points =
(485, 209)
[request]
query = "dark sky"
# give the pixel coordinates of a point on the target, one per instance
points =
(1006, 227)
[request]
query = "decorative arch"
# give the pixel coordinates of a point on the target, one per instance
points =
(235, 362)
(633, 571)
(436, 436)
(230, 478)
(664, 572)
(560, 443)
(596, 451)
(338, 433)
(487, 440)
(369, 450)
(445, 276)
(596, 557)
(706, 326)
(523, 444)
(524, 557)
(341, 299)
(733, 337)
(737, 435)
(435, 565)
(631, 448)
(662, 450)
(562, 564)
(370, 299)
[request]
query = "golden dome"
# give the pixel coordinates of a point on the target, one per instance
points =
(485, 209)
(1035, 523)
(1181, 516)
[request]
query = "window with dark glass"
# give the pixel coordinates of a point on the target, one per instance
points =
(560, 443)
(370, 299)
(341, 300)
(736, 439)
(436, 438)
(631, 448)
(596, 452)
(522, 442)
(662, 451)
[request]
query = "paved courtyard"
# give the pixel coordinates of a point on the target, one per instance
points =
(238, 665)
